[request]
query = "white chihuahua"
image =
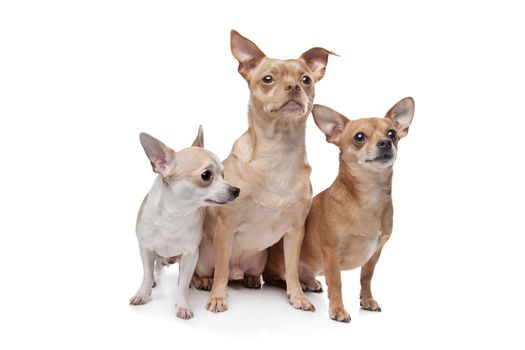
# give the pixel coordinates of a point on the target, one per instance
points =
(170, 220)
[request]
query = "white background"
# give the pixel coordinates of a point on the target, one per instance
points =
(80, 80)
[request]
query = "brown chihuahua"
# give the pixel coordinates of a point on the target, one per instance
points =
(350, 222)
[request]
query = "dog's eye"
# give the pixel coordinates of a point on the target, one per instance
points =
(392, 134)
(306, 80)
(360, 137)
(267, 79)
(206, 176)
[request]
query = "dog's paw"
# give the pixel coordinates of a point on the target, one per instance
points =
(370, 304)
(184, 313)
(217, 304)
(202, 283)
(139, 299)
(301, 302)
(252, 282)
(339, 314)
(313, 286)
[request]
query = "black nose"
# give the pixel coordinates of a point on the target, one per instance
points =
(293, 89)
(235, 191)
(384, 144)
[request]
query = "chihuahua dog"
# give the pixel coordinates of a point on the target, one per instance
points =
(170, 220)
(350, 222)
(268, 162)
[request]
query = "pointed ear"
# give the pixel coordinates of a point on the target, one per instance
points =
(246, 52)
(199, 140)
(162, 157)
(316, 59)
(330, 122)
(401, 115)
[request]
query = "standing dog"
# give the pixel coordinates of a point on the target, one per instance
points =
(350, 222)
(268, 163)
(169, 223)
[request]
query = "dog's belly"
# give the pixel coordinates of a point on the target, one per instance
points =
(355, 250)
(167, 251)
(248, 263)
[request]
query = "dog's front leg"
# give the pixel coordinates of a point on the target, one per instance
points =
(143, 295)
(332, 273)
(186, 268)
(222, 245)
(292, 247)
(367, 271)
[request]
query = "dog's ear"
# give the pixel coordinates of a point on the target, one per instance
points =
(317, 59)
(246, 52)
(330, 122)
(401, 115)
(162, 157)
(199, 140)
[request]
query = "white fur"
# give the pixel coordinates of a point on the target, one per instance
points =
(170, 226)
(170, 222)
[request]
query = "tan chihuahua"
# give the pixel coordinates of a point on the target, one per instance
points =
(268, 163)
(350, 222)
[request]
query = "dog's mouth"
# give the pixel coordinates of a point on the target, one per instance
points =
(384, 158)
(215, 202)
(291, 106)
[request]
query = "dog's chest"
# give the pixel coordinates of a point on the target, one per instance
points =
(356, 250)
(169, 236)
(272, 210)
(261, 227)
(280, 185)
(275, 191)
(361, 236)
(275, 177)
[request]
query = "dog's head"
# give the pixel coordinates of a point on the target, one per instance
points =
(194, 174)
(369, 142)
(279, 88)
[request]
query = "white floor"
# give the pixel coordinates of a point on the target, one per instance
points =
(85, 306)
(418, 312)
(261, 317)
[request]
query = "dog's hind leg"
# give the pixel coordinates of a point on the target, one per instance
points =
(308, 281)
(274, 270)
(202, 283)
(253, 267)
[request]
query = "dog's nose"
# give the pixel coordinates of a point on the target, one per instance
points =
(384, 144)
(235, 191)
(293, 89)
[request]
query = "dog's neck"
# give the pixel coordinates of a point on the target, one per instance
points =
(363, 185)
(276, 136)
(165, 202)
